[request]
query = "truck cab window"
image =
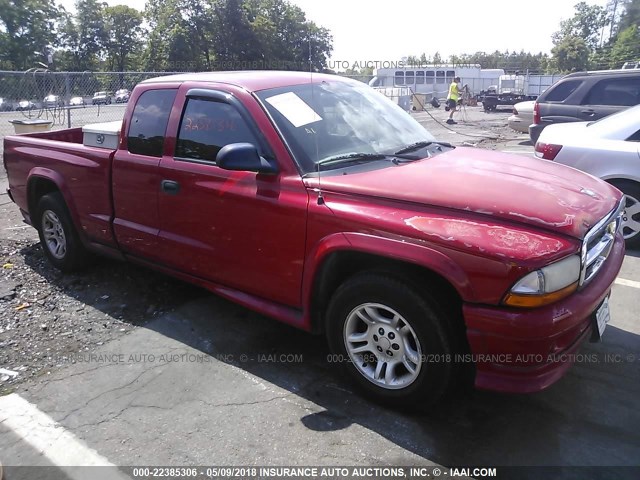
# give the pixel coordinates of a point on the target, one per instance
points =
(207, 126)
(149, 122)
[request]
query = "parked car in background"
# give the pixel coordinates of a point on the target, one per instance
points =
(52, 101)
(101, 98)
(122, 95)
(5, 106)
(24, 105)
(522, 116)
(585, 96)
(77, 102)
(608, 148)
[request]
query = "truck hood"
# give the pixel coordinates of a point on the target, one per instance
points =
(514, 188)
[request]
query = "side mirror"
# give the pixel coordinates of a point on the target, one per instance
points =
(244, 157)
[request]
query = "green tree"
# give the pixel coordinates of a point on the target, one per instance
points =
(287, 39)
(587, 23)
(234, 40)
(630, 15)
(83, 37)
(230, 34)
(92, 31)
(27, 32)
(626, 47)
(124, 26)
(174, 43)
(571, 54)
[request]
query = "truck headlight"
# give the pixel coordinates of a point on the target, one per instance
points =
(547, 285)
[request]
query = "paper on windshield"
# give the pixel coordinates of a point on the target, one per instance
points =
(294, 109)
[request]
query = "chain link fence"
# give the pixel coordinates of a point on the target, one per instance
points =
(65, 99)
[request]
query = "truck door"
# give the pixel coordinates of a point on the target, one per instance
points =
(240, 229)
(135, 174)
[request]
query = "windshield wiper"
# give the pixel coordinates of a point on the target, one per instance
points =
(353, 157)
(419, 145)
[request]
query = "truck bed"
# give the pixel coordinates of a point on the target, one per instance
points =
(70, 135)
(81, 173)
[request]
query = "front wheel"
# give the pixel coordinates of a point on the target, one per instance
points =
(58, 236)
(631, 216)
(394, 342)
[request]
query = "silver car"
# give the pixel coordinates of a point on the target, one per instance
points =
(608, 148)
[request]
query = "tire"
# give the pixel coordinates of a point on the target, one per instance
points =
(58, 236)
(407, 339)
(631, 217)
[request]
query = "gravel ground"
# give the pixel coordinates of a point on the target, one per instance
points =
(47, 318)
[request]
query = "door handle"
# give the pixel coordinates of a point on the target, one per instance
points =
(589, 112)
(170, 187)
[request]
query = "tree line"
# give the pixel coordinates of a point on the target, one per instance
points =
(170, 35)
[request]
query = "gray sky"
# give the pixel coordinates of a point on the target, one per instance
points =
(374, 30)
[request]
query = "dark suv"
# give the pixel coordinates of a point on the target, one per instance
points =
(585, 96)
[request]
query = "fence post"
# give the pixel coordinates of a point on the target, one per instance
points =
(67, 88)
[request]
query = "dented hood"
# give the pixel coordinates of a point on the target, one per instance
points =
(515, 188)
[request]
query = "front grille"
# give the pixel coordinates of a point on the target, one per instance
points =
(598, 243)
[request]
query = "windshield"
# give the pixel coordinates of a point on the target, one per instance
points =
(325, 120)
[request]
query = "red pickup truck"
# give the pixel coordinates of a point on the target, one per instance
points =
(315, 200)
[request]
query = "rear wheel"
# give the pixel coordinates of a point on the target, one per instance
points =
(58, 236)
(631, 216)
(393, 342)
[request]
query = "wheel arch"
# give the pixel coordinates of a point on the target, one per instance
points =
(43, 181)
(615, 180)
(345, 255)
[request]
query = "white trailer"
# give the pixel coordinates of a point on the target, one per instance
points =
(434, 81)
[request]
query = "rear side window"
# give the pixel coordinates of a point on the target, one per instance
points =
(615, 91)
(561, 91)
(207, 126)
(149, 122)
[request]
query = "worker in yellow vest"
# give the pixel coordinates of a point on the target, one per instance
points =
(452, 99)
